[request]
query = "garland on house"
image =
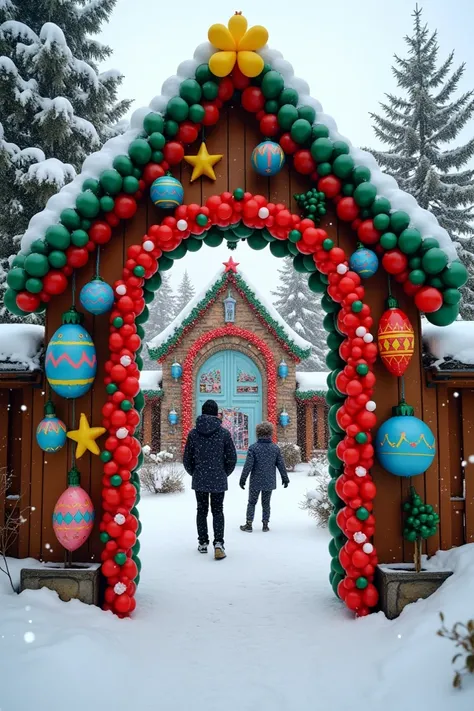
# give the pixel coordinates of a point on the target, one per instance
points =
(153, 394)
(311, 395)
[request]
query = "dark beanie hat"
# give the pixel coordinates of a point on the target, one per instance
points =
(210, 408)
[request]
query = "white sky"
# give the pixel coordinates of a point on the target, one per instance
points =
(343, 49)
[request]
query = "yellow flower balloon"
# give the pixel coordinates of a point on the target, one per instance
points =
(237, 44)
(85, 437)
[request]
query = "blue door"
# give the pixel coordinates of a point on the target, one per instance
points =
(235, 383)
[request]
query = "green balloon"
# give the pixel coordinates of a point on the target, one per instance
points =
(333, 360)
(324, 169)
(451, 296)
(193, 244)
(271, 106)
(139, 401)
(213, 238)
(140, 151)
(209, 91)
(17, 278)
(361, 175)
(57, 236)
(445, 315)
(348, 189)
(18, 260)
(70, 219)
(57, 259)
(307, 113)
(79, 238)
(321, 150)
(315, 284)
(434, 260)
(301, 131)
(362, 514)
(157, 156)
(365, 194)
(191, 92)
(328, 323)
(143, 317)
(336, 566)
(455, 274)
(203, 73)
(333, 424)
(292, 249)
(436, 281)
(153, 122)
(333, 549)
(287, 116)
(120, 558)
(165, 263)
(288, 96)
(414, 262)
(272, 84)
(328, 305)
(88, 206)
(429, 243)
(123, 165)
(361, 583)
(319, 130)
(343, 165)
(332, 493)
(298, 264)
(295, 236)
(380, 205)
(333, 528)
(179, 252)
(333, 398)
(36, 265)
(112, 181)
(256, 241)
(388, 240)
(140, 331)
(9, 301)
(148, 295)
(157, 141)
(130, 185)
(340, 148)
(116, 480)
(196, 113)
(279, 248)
(417, 276)
(409, 241)
(178, 109)
(381, 222)
(399, 221)
(309, 263)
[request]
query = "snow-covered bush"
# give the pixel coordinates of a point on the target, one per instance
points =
(291, 454)
(318, 464)
(316, 501)
(161, 473)
(463, 636)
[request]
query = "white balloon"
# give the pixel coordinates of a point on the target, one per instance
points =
(307, 100)
(125, 361)
(204, 52)
(121, 290)
(187, 69)
(148, 245)
(327, 121)
(371, 406)
(361, 331)
(263, 213)
(300, 85)
(182, 225)
(159, 104)
(138, 116)
(342, 269)
(171, 86)
(270, 55)
(284, 67)
(368, 548)
(121, 433)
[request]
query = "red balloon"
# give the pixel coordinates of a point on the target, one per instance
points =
(353, 600)
(347, 209)
(125, 206)
(288, 144)
(122, 455)
(226, 89)
(151, 172)
(360, 559)
(54, 282)
(122, 603)
(211, 114)
(303, 162)
(188, 132)
(253, 99)
(329, 185)
(428, 299)
(269, 125)
(367, 232)
(27, 302)
(110, 568)
(77, 257)
(130, 386)
(127, 539)
(370, 595)
(173, 152)
(241, 82)
(394, 261)
(100, 232)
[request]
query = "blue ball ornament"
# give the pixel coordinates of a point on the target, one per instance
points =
(97, 297)
(267, 158)
(71, 362)
(364, 262)
(405, 446)
(51, 431)
(167, 192)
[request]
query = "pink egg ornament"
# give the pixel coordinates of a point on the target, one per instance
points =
(73, 516)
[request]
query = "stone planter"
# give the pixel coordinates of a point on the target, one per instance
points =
(80, 582)
(399, 585)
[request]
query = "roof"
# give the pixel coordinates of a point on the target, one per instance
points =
(21, 347)
(449, 347)
(150, 382)
(311, 384)
(164, 342)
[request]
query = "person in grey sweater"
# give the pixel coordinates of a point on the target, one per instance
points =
(263, 459)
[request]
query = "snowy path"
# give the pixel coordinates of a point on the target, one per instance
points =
(260, 631)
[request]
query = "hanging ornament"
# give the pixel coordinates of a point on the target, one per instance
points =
(167, 192)
(85, 437)
(176, 371)
(73, 516)
(203, 163)
(283, 370)
(267, 158)
(97, 296)
(173, 417)
(284, 418)
(51, 431)
(71, 362)
(364, 262)
(405, 446)
(396, 338)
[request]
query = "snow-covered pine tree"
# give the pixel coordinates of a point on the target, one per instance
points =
(184, 293)
(162, 311)
(420, 129)
(55, 105)
(301, 309)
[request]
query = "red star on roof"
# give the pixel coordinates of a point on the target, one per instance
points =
(231, 266)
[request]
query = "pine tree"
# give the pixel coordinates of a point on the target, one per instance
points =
(184, 293)
(419, 129)
(301, 310)
(162, 311)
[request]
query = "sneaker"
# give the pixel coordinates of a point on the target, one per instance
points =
(202, 548)
(265, 528)
(247, 528)
(219, 552)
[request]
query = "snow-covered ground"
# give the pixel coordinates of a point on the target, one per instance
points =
(260, 631)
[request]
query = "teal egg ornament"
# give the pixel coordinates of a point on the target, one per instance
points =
(97, 297)
(405, 446)
(71, 361)
(51, 431)
(167, 192)
(267, 158)
(364, 262)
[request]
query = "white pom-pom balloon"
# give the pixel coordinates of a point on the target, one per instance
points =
(121, 433)
(148, 245)
(125, 361)
(171, 86)
(204, 52)
(342, 269)
(368, 338)
(371, 406)
(368, 548)
(121, 290)
(360, 471)
(182, 225)
(361, 331)
(359, 537)
(263, 213)
(119, 519)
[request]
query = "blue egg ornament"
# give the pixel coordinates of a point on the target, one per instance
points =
(267, 158)
(405, 446)
(364, 262)
(71, 361)
(51, 431)
(167, 192)
(97, 297)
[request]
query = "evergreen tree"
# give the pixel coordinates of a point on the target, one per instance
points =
(419, 129)
(301, 309)
(162, 311)
(184, 293)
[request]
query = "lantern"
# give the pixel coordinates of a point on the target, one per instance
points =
(267, 158)
(284, 418)
(396, 339)
(97, 296)
(51, 431)
(176, 371)
(73, 516)
(364, 262)
(405, 446)
(229, 308)
(167, 192)
(283, 370)
(71, 361)
(173, 417)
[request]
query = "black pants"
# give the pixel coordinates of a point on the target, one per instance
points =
(253, 498)
(217, 508)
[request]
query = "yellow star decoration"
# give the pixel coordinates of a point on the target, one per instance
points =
(202, 163)
(237, 44)
(85, 437)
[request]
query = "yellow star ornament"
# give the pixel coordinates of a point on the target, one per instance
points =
(203, 163)
(85, 437)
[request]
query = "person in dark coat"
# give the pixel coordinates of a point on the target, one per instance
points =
(263, 459)
(210, 457)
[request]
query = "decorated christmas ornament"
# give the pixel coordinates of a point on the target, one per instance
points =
(85, 437)
(203, 163)
(173, 417)
(70, 362)
(283, 370)
(237, 45)
(284, 418)
(73, 516)
(267, 158)
(167, 192)
(97, 296)
(176, 371)
(396, 338)
(405, 446)
(364, 262)
(51, 431)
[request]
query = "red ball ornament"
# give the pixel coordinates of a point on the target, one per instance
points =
(122, 455)
(253, 99)
(428, 299)
(173, 152)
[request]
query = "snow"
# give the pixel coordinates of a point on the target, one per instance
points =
(18, 30)
(51, 171)
(311, 381)
(454, 341)
(151, 379)
(21, 344)
(261, 630)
